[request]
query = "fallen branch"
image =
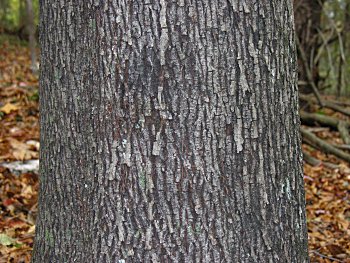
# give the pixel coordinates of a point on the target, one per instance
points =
(340, 103)
(340, 125)
(326, 104)
(343, 129)
(311, 118)
(342, 146)
(324, 146)
(316, 162)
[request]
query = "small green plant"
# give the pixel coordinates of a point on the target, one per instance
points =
(34, 96)
(6, 240)
(321, 112)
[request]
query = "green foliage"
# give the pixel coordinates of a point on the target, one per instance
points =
(12, 40)
(13, 12)
(8, 15)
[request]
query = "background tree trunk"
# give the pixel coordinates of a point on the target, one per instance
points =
(308, 27)
(170, 133)
(31, 31)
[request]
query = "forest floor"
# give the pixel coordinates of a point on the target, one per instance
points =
(327, 188)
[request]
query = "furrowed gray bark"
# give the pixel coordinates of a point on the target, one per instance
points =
(170, 133)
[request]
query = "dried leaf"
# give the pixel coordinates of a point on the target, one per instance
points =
(7, 108)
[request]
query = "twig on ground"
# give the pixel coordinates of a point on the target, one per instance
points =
(324, 256)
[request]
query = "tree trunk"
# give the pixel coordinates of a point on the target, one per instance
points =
(32, 40)
(307, 23)
(169, 133)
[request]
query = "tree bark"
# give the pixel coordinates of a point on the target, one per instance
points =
(169, 133)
